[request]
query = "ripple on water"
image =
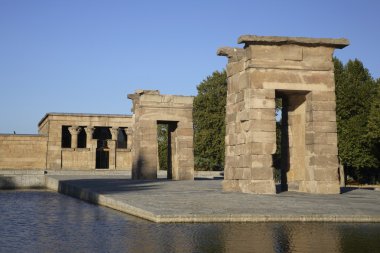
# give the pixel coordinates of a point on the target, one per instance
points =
(43, 221)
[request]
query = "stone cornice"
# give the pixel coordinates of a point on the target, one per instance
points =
(279, 40)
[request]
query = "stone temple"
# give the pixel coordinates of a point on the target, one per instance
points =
(299, 72)
(88, 142)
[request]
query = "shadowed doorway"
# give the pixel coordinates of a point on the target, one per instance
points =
(102, 134)
(289, 159)
(166, 146)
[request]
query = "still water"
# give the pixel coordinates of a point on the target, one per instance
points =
(43, 221)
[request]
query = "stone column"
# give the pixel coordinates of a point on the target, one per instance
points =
(112, 147)
(74, 131)
(91, 144)
(89, 131)
(114, 132)
(129, 132)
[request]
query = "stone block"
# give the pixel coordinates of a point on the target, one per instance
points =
(325, 138)
(231, 185)
(327, 187)
(234, 68)
(258, 103)
(244, 161)
(261, 161)
(255, 148)
(259, 93)
(257, 186)
(323, 105)
(326, 174)
(242, 116)
(263, 125)
(323, 96)
(243, 82)
(265, 173)
(261, 137)
(228, 173)
(322, 127)
(324, 149)
(242, 173)
(262, 114)
(322, 161)
(324, 116)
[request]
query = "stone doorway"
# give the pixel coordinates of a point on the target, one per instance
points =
(166, 138)
(292, 128)
(102, 155)
(149, 109)
(102, 135)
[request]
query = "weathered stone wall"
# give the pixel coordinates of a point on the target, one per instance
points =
(23, 151)
(83, 158)
(124, 159)
(78, 159)
(149, 107)
(300, 70)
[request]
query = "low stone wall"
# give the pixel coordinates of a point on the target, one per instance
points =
(22, 179)
(78, 159)
(37, 178)
(22, 151)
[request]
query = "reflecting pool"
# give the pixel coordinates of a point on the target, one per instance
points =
(44, 221)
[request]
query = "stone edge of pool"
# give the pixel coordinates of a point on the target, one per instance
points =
(54, 184)
(100, 199)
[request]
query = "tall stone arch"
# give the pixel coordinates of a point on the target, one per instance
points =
(149, 109)
(301, 72)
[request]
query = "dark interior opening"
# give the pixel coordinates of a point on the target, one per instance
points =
(122, 139)
(82, 138)
(290, 157)
(65, 137)
(102, 134)
(165, 130)
(281, 160)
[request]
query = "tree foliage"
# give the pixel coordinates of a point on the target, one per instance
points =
(162, 140)
(209, 122)
(355, 93)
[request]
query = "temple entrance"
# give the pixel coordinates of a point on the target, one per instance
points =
(102, 134)
(291, 139)
(174, 140)
(166, 146)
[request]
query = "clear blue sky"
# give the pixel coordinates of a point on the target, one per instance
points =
(87, 55)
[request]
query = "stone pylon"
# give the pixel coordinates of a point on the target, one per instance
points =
(300, 72)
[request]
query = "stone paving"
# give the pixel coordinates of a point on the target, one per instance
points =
(204, 201)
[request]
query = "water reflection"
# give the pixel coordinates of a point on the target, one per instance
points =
(41, 221)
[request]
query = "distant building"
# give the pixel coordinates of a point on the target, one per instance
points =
(72, 142)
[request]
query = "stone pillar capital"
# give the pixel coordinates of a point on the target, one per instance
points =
(75, 130)
(89, 130)
(114, 132)
(128, 131)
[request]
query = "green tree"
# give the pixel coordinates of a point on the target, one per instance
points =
(355, 90)
(162, 140)
(209, 122)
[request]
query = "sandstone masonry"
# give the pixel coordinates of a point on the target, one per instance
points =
(300, 71)
(149, 109)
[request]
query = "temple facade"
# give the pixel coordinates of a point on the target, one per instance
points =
(85, 142)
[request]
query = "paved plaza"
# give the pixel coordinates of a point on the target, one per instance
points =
(204, 201)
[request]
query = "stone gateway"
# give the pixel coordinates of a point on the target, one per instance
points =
(300, 72)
